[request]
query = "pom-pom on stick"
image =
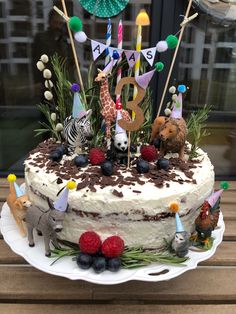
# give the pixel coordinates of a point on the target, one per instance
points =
(11, 177)
(71, 185)
(75, 24)
(174, 207)
(224, 185)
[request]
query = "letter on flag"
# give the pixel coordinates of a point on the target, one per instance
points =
(149, 54)
(97, 49)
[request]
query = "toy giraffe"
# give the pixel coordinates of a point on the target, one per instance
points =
(108, 105)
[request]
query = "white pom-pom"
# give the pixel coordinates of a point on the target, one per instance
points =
(53, 116)
(81, 37)
(162, 46)
(174, 97)
(48, 95)
(167, 112)
(40, 65)
(48, 84)
(59, 127)
(44, 58)
(172, 89)
(47, 74)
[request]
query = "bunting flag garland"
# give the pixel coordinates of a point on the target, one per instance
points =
(131, 56)
(149, 54)
(97, 48)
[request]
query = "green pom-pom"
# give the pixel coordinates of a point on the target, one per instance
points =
(75, 24)
(172, 41)
(224, 185)
(159, 66)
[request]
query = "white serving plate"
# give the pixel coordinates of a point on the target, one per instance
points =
(68, 268)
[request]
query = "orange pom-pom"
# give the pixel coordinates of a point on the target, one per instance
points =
(174, 207)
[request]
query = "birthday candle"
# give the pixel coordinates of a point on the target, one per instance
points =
(108, 41)
(137, 64)
(120, 43)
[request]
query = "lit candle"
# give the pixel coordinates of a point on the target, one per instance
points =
(120, 43)
(108, 42)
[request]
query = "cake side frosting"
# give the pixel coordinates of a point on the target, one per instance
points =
(137, 211)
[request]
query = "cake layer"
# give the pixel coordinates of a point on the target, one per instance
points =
(129, 204)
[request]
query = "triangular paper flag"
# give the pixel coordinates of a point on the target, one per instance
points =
(132, 56)
(143, 80)
(177, 109)
(112, 49)
(97, 49)
(149, 54)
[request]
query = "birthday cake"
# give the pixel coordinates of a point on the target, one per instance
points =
(108, 177)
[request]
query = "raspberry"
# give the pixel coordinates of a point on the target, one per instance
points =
(148, 152)
(89, 242)
(113, 246)
(96, 156)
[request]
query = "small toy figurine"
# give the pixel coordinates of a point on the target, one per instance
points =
(49, 222)
(107, 103)
(18, 203)
(77, 127)
(171, 131)
(208, 218)
(180, 244)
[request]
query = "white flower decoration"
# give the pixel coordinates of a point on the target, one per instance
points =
(172, 89)
(174, 97)
(53, 116)
(40, 66)
(44, 58)
(47, 74)
(48, 84)
(167, 112)
(59, 127)
(48, 95)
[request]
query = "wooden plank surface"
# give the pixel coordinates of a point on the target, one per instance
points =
(116, 308)
(202, 284)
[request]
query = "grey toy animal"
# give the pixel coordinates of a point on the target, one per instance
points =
(49, 223)
(180, 244)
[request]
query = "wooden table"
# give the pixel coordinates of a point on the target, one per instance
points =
(211, 288)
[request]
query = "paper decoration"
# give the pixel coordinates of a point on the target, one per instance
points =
(132, 105)
(144, 79)
(97, 48)
(177, 109)
(149, 54)
(131, 56)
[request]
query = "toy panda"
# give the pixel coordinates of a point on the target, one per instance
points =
(119, 149)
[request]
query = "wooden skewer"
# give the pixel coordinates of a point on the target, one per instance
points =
(61, 13)
(65, 16)
(175, 54)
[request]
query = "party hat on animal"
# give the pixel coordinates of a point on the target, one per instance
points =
(109, 67)
(14, 187)
(174, 207)
(178, 103)
(119, 129)
(62, 200)
(144, 79)
(213, 198)
(78, 110)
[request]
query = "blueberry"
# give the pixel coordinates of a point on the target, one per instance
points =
(142, 166)
(107, 168)
(163, 163)
(84, 260)
(133, 148)
(157, 143)
(62, 149)
(114, 264)
(81, 161)
(99, 264)
(55, 156)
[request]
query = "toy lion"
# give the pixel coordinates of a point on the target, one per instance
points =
(172, 132)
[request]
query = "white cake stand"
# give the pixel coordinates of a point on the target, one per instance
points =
(66, 267)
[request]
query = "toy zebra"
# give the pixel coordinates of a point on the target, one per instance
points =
(77, 132)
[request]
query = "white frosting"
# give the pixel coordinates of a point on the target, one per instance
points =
(125, 216)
